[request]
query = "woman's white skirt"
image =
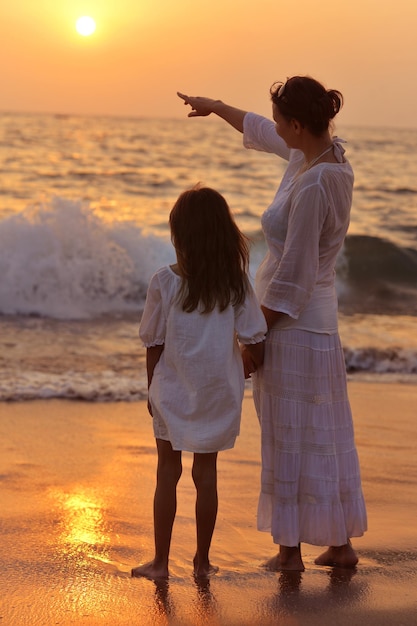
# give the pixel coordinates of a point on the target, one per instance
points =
(311, 487)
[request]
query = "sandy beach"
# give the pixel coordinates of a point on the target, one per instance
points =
(77, 482)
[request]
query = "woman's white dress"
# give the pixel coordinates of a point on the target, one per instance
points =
(197, 387)
(311, 487)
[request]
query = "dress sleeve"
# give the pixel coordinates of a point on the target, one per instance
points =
(153, 323)
(250, 324)
(293, 282)
(259, 133)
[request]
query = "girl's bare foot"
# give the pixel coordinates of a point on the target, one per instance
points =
(338, 556)
(151, 570)
(287, 560)
(204, 569)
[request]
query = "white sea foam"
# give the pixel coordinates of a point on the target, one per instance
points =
(59, 259)
(89, 386)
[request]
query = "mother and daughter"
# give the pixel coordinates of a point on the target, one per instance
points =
(205, 331)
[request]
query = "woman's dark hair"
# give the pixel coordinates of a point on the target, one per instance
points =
(212, 253)
(304, 99)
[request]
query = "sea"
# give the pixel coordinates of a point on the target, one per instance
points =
(84, 205)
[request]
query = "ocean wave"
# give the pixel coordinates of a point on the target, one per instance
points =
(377, 276)
(392, 360)
(374, 258)
(108, 387)
(60, 260)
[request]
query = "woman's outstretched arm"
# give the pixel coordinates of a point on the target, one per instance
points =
(201, 107)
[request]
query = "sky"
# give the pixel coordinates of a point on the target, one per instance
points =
(144, 51)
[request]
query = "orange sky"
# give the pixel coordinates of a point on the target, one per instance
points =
(143, 51)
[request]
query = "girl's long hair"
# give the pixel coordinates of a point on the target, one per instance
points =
(212, 253)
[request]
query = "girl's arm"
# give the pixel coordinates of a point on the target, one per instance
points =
(201, 107)
(153, 354)
(252, 357)
(256, 351)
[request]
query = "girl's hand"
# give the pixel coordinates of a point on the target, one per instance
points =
(249, 365)
(150, 409)
(200, 107)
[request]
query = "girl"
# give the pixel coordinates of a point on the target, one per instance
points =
(193, 312)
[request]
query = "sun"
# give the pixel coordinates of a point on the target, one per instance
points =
(85, 25)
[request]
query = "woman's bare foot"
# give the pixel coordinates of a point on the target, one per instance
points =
(338, 556)
(287, 560)
(150, 570)
(204, 569)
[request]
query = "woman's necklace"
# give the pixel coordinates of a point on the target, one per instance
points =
(308, 164)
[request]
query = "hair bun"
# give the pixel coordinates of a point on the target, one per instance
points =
(308, 101)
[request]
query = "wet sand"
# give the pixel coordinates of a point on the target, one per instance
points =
(76, 490)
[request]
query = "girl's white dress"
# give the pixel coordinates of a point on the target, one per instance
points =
(197, 387)
(311, 487)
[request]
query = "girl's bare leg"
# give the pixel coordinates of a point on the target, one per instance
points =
(338, 556)
(205, 479)
(165, 506)
(288, 559)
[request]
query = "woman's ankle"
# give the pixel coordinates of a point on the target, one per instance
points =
(288, 559)
(338, 556)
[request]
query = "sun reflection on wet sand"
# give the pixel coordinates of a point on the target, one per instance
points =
(85, 533)
(82, 545)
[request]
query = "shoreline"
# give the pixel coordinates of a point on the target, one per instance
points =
(77, 483)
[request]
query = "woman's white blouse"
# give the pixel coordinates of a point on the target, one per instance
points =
(304, 228)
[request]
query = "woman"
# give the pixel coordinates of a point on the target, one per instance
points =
(311, 488)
